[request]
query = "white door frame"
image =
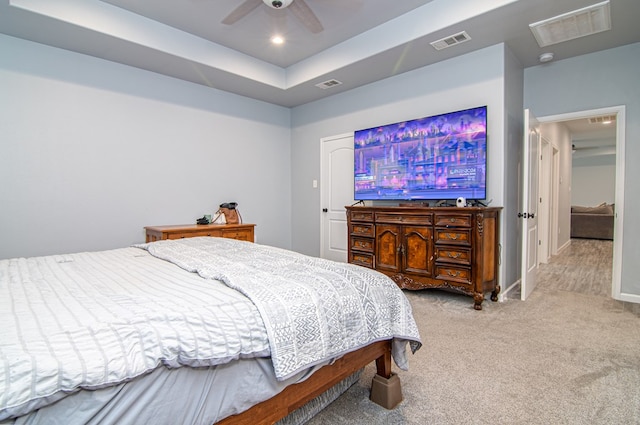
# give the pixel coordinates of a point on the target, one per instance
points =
(555, 185)
(544, 210)
(619, 111)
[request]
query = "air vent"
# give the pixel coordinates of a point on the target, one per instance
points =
(328, 84)
(452, 40)
(608, 119)
(568, 26)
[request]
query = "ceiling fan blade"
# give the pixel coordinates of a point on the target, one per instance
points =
(303, 12)
(241, 11)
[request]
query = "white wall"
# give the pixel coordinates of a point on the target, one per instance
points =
(593, 180)
(471, 80)
(92, 151)
(612, 78)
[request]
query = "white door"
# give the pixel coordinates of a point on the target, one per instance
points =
(529, 208)
(336, 191)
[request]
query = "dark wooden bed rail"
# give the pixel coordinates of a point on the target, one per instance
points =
(295, 396)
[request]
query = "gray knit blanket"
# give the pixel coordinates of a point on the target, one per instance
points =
(313, 309)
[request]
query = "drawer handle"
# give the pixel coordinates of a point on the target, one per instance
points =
(453, 220)
(452, 274)
(453, 236)
(361, 244)
(454, 255)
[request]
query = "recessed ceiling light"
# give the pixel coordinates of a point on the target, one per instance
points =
(276, 39)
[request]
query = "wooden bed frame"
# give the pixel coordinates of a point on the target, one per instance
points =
(295, 396)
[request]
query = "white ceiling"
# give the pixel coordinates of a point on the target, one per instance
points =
(591, 139)
(363, 40)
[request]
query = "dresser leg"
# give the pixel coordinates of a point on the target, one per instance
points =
(494, 294)
(477, 301)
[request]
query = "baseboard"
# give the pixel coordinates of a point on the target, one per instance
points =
(563, 247)
(504, 294)
(631, 298)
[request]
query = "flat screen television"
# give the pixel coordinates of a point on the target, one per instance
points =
(441, 157)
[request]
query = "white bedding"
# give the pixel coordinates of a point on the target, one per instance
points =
(91, 320)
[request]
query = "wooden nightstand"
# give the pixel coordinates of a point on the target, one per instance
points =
(242, 232)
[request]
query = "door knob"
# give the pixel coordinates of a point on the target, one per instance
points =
(325, 210)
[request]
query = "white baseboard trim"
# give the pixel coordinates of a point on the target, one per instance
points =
(563, 247)
(630, 298)
(503, 294)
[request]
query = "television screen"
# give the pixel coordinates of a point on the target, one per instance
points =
(439, 157)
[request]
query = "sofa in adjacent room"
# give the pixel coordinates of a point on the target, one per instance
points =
(592, 222)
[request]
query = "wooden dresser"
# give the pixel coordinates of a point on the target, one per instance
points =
(243, 232)
(450, 248)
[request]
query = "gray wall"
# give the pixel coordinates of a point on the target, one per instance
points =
(603, 79)
(471, 80)
(92, 151)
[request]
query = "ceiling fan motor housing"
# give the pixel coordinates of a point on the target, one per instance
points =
(277, 4)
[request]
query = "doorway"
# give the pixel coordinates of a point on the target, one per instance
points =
(562, 209)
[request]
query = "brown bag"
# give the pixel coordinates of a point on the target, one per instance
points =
(231, 213)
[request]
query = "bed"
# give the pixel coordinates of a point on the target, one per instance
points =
(196, 331)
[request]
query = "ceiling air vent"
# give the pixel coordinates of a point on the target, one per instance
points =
(608, 119)
(451, 40)
(579, 23)
(328, 84)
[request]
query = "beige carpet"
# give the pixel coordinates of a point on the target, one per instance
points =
(561, 357)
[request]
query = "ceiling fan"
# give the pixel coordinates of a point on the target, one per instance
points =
(299, 8)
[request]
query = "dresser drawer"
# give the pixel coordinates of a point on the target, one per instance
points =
(453, 255)
(361, 215)
(382, 217)
(362, 229)
(361, 259)
(453, 273)
(194, 234)
(239, 234)
(453, 236)
(453, 220)
(362, 244)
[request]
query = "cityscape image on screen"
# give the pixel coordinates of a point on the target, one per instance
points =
(439, 157)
